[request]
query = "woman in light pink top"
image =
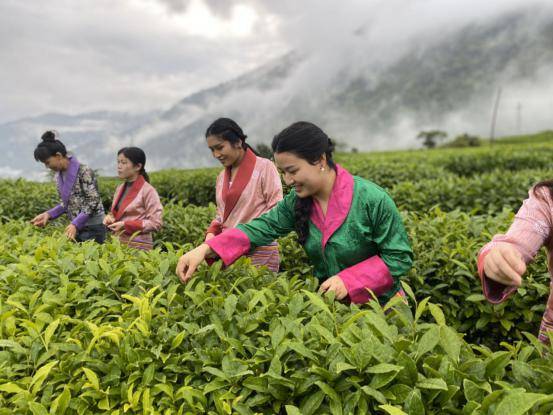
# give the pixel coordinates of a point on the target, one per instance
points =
(136, 211)
(502, 262)
(248, 186)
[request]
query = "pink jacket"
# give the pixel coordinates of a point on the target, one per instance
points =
(530, 231)
(141, 211)
(262, 192)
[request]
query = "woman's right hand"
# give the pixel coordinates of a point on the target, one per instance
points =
(109, 219)
(503, 263)
(209, 236)
(41, 220)
(189, 262)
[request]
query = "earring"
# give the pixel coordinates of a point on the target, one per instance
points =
(322, 168)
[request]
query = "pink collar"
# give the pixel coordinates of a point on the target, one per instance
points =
(231, 193)
(338, 208)
(129, 197)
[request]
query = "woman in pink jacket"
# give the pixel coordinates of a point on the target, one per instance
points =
(502, 262)
(136, 210)
(248, 186)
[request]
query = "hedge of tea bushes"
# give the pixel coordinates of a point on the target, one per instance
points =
(22, 199)
(185, 224)
(487, 193)
(511, 158)
(478, 180)
(90, 329)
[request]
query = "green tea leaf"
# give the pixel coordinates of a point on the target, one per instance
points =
(11, 388)
(49, 332)
(437, 313)
(92, 379)
(292, 410)
(178, 340)
(392, 410)
(40, 376)
(519, 403)
(450, 342)
(429, 340)
(311, 403)
(37, 408)
(432, 383)
(317, 301)
(61, 403)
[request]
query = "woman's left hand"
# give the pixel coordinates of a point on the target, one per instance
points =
(71, 231)
(117, 226)
(335, 284)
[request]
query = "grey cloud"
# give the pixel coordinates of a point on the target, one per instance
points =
(99, 55)
(69, 57)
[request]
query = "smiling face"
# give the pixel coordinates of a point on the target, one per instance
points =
(226, 152)
(126, 170)
(306, 178)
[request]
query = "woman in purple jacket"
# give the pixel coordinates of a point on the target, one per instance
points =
(78, 190)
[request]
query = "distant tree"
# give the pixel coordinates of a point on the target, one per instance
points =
(464, 140)
(264, 151)
(431, 138)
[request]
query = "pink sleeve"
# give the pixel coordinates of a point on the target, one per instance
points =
(370, 274)
(528, 233)
(154, 211)
(230, 245)
(272, 186)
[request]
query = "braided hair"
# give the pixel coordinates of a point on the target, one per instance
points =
(306, 141)
(50, 146)
(136, 156)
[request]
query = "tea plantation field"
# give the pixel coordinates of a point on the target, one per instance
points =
(89, 329)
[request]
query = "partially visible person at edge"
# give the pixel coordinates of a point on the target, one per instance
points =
(78, 190)
(349, 227)
(136, 211)
(247, 187)
(502, 262)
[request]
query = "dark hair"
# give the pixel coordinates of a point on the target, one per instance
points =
(229, 130)
(50, 146)
(308, 142)
(136, 156)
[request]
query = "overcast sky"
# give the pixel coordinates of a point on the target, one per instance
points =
(74, 56)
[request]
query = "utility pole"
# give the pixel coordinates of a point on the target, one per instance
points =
(494, 115)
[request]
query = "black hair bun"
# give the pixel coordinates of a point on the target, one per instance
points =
(49, 136)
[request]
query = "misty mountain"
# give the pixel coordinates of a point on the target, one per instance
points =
(87, 135)
(375, 100)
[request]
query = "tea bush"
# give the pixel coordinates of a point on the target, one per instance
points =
(104, 329)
